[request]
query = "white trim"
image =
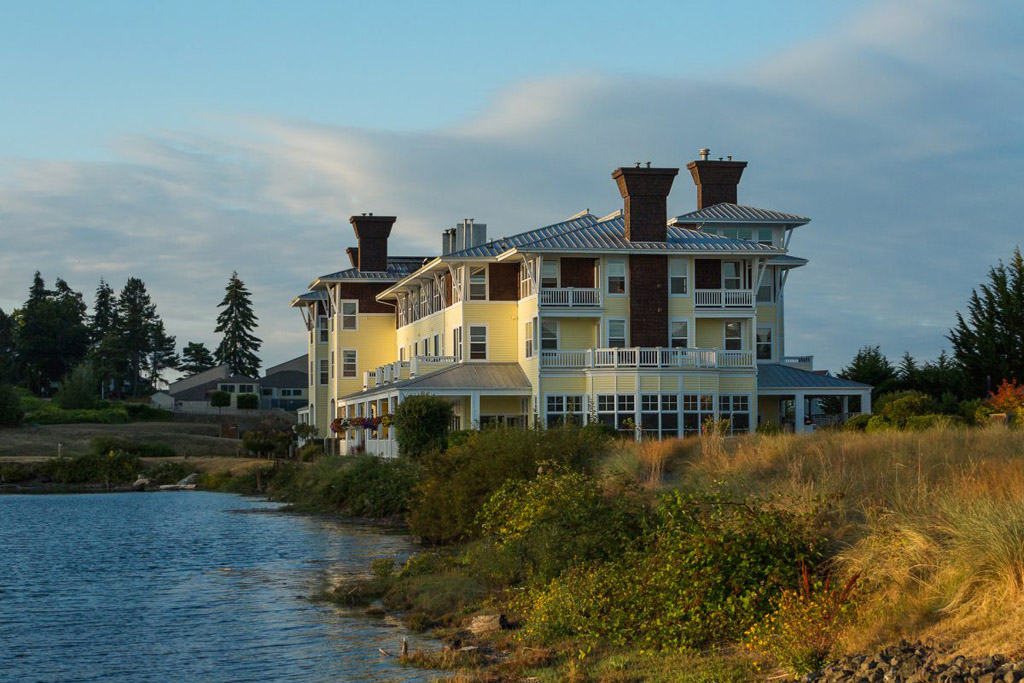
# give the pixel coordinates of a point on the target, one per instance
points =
(608, 276)
(468, 341)
(686, 276)
(558, 333)
(686, 322)
(607, 330)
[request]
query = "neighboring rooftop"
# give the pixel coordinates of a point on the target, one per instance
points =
(738, 213)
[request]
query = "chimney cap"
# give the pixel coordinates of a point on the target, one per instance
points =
(704, 153)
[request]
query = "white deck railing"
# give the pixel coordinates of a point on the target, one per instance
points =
(392, 372)
(571, 297)
(642, 357)
(723, 298)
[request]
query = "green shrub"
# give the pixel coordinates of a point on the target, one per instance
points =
(248, 401)
(110, 468)
(101, 445)
(900, 410)
(461, 480)
(140, 412)
(421, 425)
(169, 472)
(922, 422)
(11, 412)
(52, 415)
(363, 486)
(382, 567)
(883, 401)
(858, 422)
(706, 571)
(215, 481)
(879, 423)
(220, 399)
(311, 451)
(78, 389)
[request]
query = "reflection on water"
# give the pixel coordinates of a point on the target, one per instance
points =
(184, 587)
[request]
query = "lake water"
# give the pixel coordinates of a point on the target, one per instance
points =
(133, 587)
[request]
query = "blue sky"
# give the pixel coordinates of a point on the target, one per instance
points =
(179, 141)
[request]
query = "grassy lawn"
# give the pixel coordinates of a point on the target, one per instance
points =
(41, 441)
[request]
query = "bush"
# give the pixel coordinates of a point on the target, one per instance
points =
(52, 415)
(11, 413)
(902, 409)
(920, 423)
(102, 445)
(248, 401)
(364, 486)
(421, 425)
(143, 413)
(169, 472)
(310, 452)
(706, 571)
(858, 423)
(460, 481)
(110, 468)
(78, 389)
(220, 399)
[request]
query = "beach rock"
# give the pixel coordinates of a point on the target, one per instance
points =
(916, 663)
(190, 480)
(488, 623)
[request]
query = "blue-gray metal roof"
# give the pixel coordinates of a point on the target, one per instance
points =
(787, 261)
(398, 267)
(468, 376)
(610, 235)
(318, 295)
(777, 376)
(499, 246)
(737, 213)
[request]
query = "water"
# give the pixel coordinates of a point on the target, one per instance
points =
(132, 587)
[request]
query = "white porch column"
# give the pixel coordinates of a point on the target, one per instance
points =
(846, 406)
(865, 401)
(798, 413)
(474, 410)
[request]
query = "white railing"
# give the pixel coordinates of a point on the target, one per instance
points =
(723, 298)
(798, 360)
(392, 372)
(421, 364)
(642, 357)
(571, 297)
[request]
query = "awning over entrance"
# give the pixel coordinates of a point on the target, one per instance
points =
(786, 382)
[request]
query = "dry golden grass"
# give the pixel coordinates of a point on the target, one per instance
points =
(934, 520)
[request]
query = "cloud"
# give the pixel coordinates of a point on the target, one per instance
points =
(899, 134)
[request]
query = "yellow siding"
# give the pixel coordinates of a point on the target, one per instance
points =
(768, 409)
(424, 328)
(565, 385)
(374, 342)
(626, 383)
(709, 333)
(700, 383)
(682, 306)
(501, 320)
(578, 333)
(737, 385)
(501, 405)
(650, 383)
(604, 384)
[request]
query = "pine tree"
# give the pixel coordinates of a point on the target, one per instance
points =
(53, 336)
(236, 322)
(908, 372)
(163, 354)
(108, 364)
(135, 328)
(104, 312)
(989, 343)
(870, 366)
(196, 358)
(8, 350)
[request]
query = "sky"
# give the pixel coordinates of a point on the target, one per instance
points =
(178, 142)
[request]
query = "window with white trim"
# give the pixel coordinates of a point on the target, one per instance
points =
(549, 273)
(616, 277)
(525, 283)
(548, 335)
(696, 409)
(349, 313)
(766, 292)
(733, 335)
(615, 409)
(764, 343)
(332, 364)
(457, 341)
(732, 275)
(765, 236)
(478, 283)
(437, 345)
(564, 410)
(325, 372)
(617, 333)
(678, 337)
(348, 363)
(477, 342)
(659, 415)
(677, 271)
(322, 328)
(437, 295)
(736, 409)
(528, 338)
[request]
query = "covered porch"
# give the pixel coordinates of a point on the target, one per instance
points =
(801, 400)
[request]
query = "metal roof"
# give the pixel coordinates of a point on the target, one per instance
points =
(499, 246)
(468, 376)
(318, 295)
(776, 376)
(398, 267)
(737, 213)
(610, 235)
(787, 261)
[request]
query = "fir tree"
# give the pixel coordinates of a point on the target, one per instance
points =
(870, 366)
(53, 336)
(135, 328)
(104, 312)
(908, 372)
(236, 322)
(8, 350)
(196, 358)
(162, 354)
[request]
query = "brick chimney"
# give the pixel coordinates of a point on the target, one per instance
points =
(645, 196)
(372, 233)
(716, 181)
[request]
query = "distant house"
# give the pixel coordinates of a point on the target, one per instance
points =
(284, 387)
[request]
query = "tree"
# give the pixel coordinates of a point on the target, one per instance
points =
(10, 407)
(8, 349)
(236, 322)
(247, 401)
(907, 372)
(196, 358)
(162, 354)
(53, 336)
(220, 399)
(135, 327)
(106, 353)
(989, 343)
(421, 425)
(78, 389)
(870, 366)
(104, 312)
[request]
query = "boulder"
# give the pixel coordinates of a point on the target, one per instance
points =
(487, 623)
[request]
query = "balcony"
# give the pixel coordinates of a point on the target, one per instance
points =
(723, 298)
(570, 297)
(696, 359)
(405, 369)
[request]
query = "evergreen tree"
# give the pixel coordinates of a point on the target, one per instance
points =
(73, 332)
(236, 322)
(104, 312)
(908, 373)
(870, 366)
(162, 354)
(135, 329)
(108, 364)
(8, 350)
(989, 343)
(53, 336)
(196, 358)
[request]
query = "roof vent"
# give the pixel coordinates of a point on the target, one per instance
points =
(704, 152)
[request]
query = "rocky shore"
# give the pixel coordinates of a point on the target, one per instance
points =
(916, 663)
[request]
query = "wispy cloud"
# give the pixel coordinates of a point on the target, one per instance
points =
(900, 134)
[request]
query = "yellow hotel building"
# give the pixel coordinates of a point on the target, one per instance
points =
(647, 323)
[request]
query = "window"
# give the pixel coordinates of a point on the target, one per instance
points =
(677, 277)
(321, 323)
(230, 388)
(403, 315)
(616, 277)
(349, 310)
(548, 334)
(736, 409)
(696, 409)
(734, 336)
(617, 334)
(528, 336)
(764, 343)
(618, 411)
(415, 349)
(765, 236)
(677, 334)
(457, 341)
(732, 275)
(437, 296)
(549, 273)
(245, 388)
(564, 410)
(525, 283)
(332, 363)
(437, 345)
(478, 283)
(659, 415)
(324, 372)
(738, 233)
(348, 363)
(766, 292)
(477, 342)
